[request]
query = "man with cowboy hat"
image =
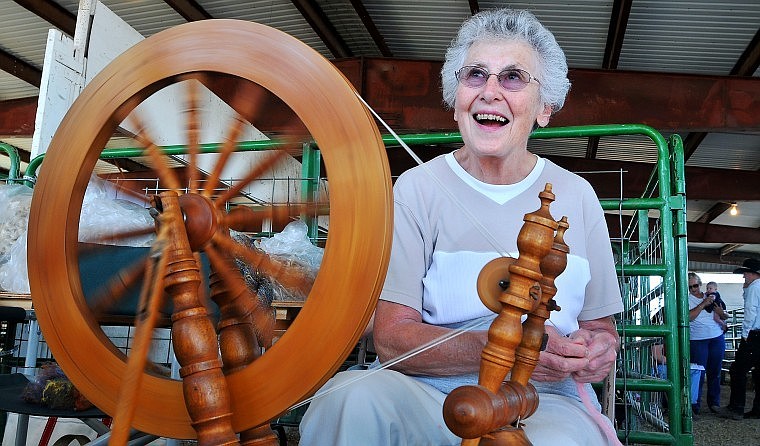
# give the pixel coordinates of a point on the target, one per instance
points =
(748, 354)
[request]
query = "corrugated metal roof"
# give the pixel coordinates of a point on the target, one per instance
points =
(583, 45)
(690, 36)
(22, 35)
(13, 88)
(728, 151)
(279, 14)
(419, 29)
(349, 25)
(141, 15)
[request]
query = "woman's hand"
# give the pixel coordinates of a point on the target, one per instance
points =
(563, 356)
(602, 348)
(587, 355)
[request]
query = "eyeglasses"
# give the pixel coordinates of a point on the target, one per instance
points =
(512, 79)
(696, 285)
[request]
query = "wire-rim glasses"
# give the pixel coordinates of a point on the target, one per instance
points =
(512, 79)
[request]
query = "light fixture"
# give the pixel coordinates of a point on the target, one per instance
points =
(734, 210)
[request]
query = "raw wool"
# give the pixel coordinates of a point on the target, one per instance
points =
(16, 200)
(51, 388)
(103, 213)
(290, 248)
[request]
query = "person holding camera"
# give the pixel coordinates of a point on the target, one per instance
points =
(707, 345)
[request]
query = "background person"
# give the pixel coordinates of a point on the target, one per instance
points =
(720, 315)
(707, 344)
(748, 353)
(504, 75)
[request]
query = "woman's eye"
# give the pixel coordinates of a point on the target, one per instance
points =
(512, 75)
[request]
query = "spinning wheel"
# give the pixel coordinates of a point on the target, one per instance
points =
(345, 290)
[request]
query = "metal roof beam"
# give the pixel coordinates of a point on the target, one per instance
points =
(749, 61)
(667, 102)
(17, 116)
(21, 69)
(703, 183)
(474, 7)
(714, 212)
(189, 9)
(377, 37)
(621, 10)
(592, 146)
(714, 256)
(53, 13)
(319, 22)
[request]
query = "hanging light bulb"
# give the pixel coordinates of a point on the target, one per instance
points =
(734, 210)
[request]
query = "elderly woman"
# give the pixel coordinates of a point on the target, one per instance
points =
(504, 75)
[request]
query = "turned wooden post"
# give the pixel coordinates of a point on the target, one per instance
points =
(534, 241)
(195, 342)
(552, 265)
(489, 409)
(237, 338)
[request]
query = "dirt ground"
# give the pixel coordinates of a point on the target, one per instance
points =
(712, 430)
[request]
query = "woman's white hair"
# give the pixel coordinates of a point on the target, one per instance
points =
(510, 24)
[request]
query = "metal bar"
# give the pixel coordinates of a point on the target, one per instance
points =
(12, 152)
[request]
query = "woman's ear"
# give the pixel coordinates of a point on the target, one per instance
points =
(543, 118)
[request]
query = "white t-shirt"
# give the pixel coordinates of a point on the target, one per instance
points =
(704, 325)
(438, 251)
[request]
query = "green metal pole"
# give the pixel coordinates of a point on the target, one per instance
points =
(15, 161)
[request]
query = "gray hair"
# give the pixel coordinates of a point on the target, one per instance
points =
(509, 24)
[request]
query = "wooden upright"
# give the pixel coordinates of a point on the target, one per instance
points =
(195, 341)
(489, 413)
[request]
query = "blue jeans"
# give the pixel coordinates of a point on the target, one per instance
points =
(709, 354)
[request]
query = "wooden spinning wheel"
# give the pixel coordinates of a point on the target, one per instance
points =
(345, 290)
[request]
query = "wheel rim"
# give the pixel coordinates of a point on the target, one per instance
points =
(356, 256)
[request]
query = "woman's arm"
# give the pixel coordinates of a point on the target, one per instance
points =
(717, 309)
(694, 312)
(398, 329)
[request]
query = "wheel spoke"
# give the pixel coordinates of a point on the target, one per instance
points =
(166, 174)
(244, 218)
(121, 236)
(268, 163)
(193, 131)
(245, 103)
(243, 299)
(151, 301)
(291, 278)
